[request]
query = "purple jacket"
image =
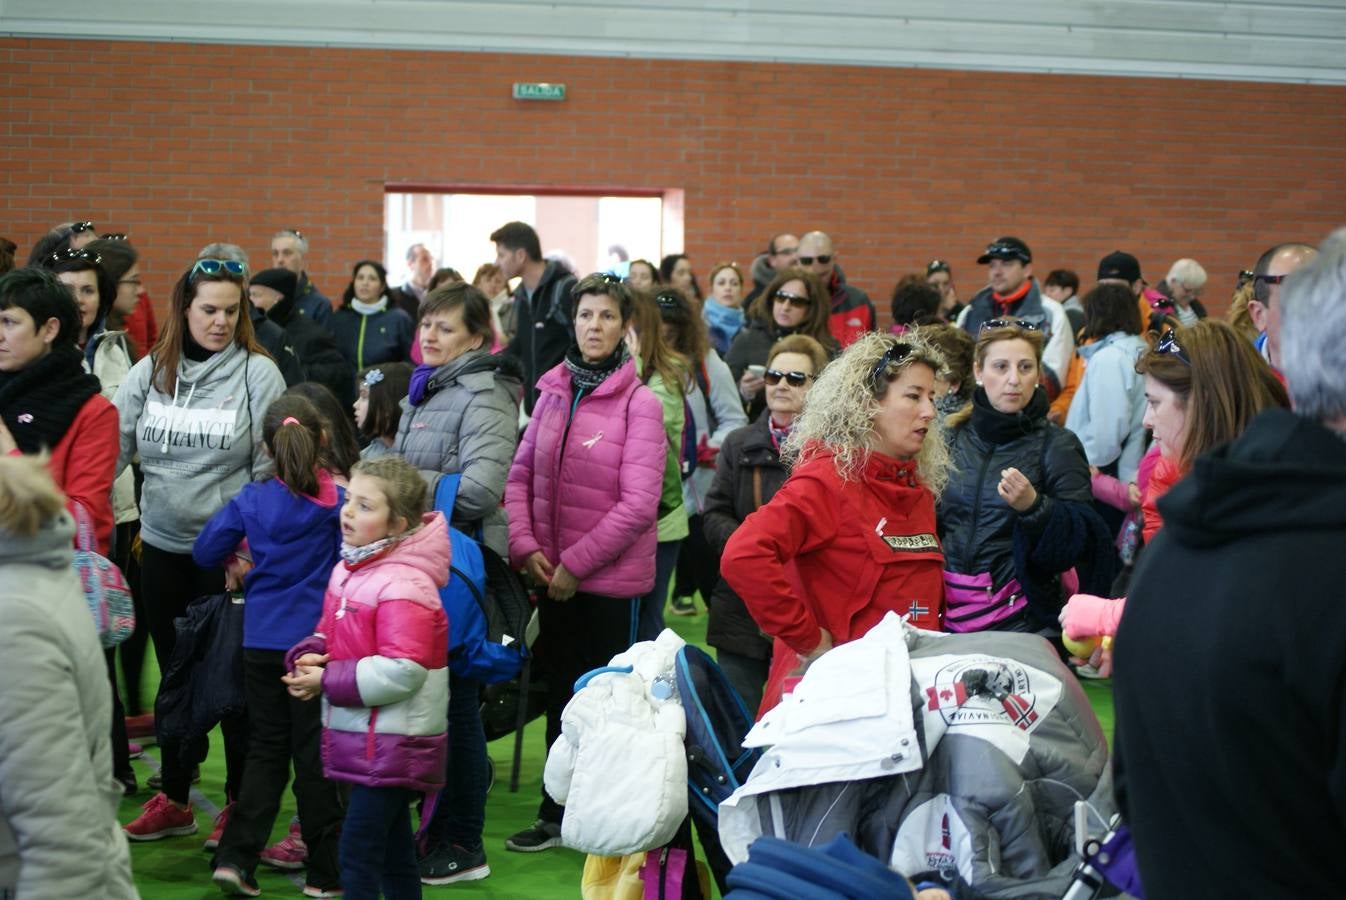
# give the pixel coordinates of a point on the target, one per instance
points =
(386, 687)
(593, 503)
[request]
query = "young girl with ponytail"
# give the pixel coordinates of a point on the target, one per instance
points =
(291, 527)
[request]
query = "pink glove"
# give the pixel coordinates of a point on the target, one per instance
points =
(1086, 616)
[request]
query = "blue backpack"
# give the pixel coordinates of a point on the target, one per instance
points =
(717, 722)
(485, 602)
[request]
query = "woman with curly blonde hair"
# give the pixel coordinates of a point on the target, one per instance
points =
(851, 535)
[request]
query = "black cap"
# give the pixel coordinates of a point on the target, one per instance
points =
(1007, 247)
(1119, 265)
(282, 280)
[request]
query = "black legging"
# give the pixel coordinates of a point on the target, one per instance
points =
(168, 583)
(698, 564)
(131, 651)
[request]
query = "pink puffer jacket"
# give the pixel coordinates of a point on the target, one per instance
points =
(593, 503)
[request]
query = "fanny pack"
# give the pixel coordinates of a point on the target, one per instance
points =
(970, 604)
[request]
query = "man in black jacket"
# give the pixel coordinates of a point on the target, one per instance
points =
(541, 303)
(272, 292)
(1231, 656)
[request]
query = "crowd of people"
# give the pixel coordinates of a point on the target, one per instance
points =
(1115, 463)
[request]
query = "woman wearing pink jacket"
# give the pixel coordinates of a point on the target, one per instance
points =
(583, 500)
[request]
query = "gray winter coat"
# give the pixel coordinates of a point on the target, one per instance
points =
(59, 836)
(468, 423)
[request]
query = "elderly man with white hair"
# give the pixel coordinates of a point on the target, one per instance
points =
(1230, 660)
(1183, 285)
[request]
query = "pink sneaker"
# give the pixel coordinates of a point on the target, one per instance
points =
(161, 819)
(134, 750)
(220, 821)
(289, 853)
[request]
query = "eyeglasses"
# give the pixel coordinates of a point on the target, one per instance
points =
(993, 324)
(894, 354)
(794, 300)
(1269, 279)
(116, 236)
(227, 267)
(67, 254)
(936, 265)
(793, 379)
(81, 227)
(785, 251)
(808, 260)
(1169, 344)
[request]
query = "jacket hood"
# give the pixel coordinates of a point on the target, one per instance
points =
(221, 363)
(506, 369)
(1117, 337)
(1285, 473)
(50, 548)
(427, 549)
(762, 273)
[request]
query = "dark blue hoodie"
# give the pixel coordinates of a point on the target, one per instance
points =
(295, 542)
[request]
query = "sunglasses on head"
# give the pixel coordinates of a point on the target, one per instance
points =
(226, 267)
(1005, 251)
(894, 354)
(1169, 344)
(67, 254)
(808, 260)
(936, 265)
(668, 300)
(793, 379)
(794, 300)
(993, 324)
(294, 231)
(116, 236)
(81, 227)
(1245, 276)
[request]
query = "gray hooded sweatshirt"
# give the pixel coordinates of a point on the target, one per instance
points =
(199, 445)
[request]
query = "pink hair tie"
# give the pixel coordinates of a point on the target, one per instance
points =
(289, 420)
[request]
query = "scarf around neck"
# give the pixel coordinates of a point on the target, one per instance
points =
(39, 402)
(586, 376)
(354, 556)
(724, 323)
(996, 427)
(368, 309)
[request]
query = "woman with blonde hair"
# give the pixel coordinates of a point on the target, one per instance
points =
(58, 799)
(851, 534)
(1018, 510)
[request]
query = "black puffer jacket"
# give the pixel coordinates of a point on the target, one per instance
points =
(976, 525)
(748, 473)
(316, 350)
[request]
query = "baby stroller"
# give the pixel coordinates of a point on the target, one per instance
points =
(959, 758)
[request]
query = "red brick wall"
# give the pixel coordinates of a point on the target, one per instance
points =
(180, 144)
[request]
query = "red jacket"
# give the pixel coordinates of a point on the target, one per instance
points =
(84, 462)
(852, 312)
(141, 327)
(827, 553)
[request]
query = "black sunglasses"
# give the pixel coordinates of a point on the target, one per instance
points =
(294, 231)
(1269, 279)
(1169, 344)
(668, 300)
(66, 254)
(116, 236)
(793, 379)
(1006, 251)
(81, 227)
(794, 300)
(808, 260)
(229, 267)
(894, 354)
(1245, 276)
(936, 265)
(992, 324)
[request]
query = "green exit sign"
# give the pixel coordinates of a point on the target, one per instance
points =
(538, 90)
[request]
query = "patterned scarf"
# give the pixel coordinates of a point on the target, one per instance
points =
(585, 376)
(357, 556)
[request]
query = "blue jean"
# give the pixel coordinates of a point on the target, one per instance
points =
(377, 846)
(652, 604)
(460, 808)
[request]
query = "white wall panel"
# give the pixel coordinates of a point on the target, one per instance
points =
(1269, 40)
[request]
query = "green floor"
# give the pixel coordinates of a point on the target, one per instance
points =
(178, 868)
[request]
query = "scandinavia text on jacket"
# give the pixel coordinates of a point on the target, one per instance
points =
(386, 687)
(59, 835)
(585, 484)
